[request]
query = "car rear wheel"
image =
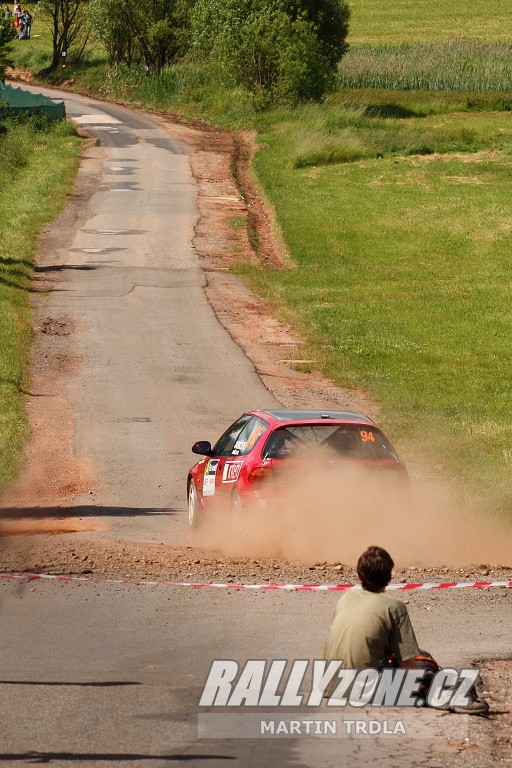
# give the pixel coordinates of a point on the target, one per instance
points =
(236, 507)
(193, 505)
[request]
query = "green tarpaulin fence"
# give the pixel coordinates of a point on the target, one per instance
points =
(15, 100)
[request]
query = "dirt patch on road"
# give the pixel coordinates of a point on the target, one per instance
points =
(44, 525)
(496, 689)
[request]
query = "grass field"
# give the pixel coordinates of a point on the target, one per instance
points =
(37, 164)
(400, 21)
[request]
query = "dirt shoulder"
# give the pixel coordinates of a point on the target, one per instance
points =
(32, 544)
(52, 475)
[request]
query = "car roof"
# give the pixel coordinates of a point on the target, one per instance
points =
(292, 414)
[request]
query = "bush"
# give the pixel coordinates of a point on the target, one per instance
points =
(6, 36)
(280, 51)
(330, 19)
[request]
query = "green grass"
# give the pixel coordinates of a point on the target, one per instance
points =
(398, 21)
(237, 222)
(347, 134)
(37, 163)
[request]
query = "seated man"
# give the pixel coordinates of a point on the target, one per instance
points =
(372, 629)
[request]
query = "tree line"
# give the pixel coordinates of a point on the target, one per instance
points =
(279, 50)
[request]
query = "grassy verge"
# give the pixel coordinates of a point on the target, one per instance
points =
(37, 163)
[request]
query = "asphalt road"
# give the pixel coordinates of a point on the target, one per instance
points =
(102, 675)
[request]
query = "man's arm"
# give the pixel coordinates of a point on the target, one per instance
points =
(410, 664)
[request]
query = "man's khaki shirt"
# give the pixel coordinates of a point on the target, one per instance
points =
(369, 627)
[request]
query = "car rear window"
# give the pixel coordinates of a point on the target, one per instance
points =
(351, 441)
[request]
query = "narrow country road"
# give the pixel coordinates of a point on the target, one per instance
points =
(100, 675)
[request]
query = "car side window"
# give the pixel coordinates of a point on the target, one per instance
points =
(249, 436)
(226, 444)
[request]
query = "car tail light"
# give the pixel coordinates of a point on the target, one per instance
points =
(258, 474)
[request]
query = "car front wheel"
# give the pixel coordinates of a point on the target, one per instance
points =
(193, 505)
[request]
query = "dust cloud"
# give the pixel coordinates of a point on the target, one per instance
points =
(332, 516)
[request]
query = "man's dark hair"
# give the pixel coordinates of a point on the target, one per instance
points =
(374, 568)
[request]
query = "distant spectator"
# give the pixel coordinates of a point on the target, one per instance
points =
(21, 23)
(16, 14)
(25, 20)
(7, 13)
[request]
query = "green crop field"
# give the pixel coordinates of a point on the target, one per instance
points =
(399, 21)
(432, 46)
(452, 65)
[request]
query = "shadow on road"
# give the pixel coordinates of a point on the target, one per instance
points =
(47, 757)
(105, 684)
(65, 267)
(34, 513)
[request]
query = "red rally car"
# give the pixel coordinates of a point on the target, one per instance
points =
(249, 465)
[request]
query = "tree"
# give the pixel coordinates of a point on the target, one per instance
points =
(155, 32)
(280, 50)
(108, 19)
(69, 26)
(6, 36)
(330, 19)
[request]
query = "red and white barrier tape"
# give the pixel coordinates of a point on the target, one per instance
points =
(286, 587)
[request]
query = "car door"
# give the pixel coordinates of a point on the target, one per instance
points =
(232, 464)
(211, 480)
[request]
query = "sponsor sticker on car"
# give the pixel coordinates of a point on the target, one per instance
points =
(209, 477)
(231, 471)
